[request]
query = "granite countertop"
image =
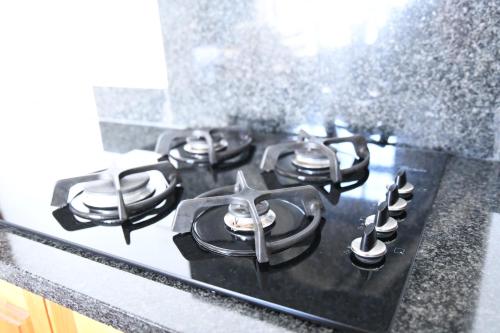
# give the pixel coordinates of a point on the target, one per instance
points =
(451, 288)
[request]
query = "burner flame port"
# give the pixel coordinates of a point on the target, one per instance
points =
(239, 219)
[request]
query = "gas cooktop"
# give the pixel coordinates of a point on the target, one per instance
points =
(325, 229)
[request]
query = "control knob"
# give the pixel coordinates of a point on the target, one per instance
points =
(395, 203)
(384, 224)
(404, 187)
(368, 249)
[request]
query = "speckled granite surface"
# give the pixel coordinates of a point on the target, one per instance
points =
(121, 138)
(426, 71)
(452, 287)
(143, 106)
(129, 298)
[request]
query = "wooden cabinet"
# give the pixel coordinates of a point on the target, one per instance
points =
(14, 319)
(24, 312)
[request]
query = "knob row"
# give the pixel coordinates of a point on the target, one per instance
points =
(368, 248)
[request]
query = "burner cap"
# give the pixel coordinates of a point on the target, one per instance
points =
(310, 158)
(142, 190)
(219, 146)
(101, 194)
(128, 184)
(211, 234)
(239, 210)
(239, 219)
(195, 144)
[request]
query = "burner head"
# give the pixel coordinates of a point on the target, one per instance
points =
(115, 196)
(205, 146)
(238, 217)
(196, 144)
(310, 158)
(314, 159)
(210, 233)
(101, 194)
(299, 210)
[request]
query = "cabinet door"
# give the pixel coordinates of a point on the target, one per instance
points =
(36, 306)
(24, 312)
(14, 319)
(61, 318)
(24, 301)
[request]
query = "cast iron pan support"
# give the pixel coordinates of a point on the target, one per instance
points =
(174, 138)
(305, 196)
(62, 188)
(273, 153)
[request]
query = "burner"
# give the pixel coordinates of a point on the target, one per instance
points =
(71, 222)
(313, 159)
(241, 221)
(196, 144)
(114, 196)
(238, 217)
(310, 158)
(101, 194)
(204, 146)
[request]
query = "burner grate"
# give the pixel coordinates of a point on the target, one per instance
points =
(130, 189)
(306, 197)
(204, 146)
(313, 159)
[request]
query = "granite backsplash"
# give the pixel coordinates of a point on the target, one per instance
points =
(427, 72)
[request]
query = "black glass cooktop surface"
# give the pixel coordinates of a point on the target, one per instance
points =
(317, 279)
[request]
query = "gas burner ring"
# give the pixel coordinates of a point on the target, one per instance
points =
(211, 234)
(197, 145)
(109, 215)
(239, 219)
(204, 146)
(241, 210)
(242, 223)
(101, 194)
(310, 159)
(114, 196)
(310, 156)
(287, 167)
(198, 215)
